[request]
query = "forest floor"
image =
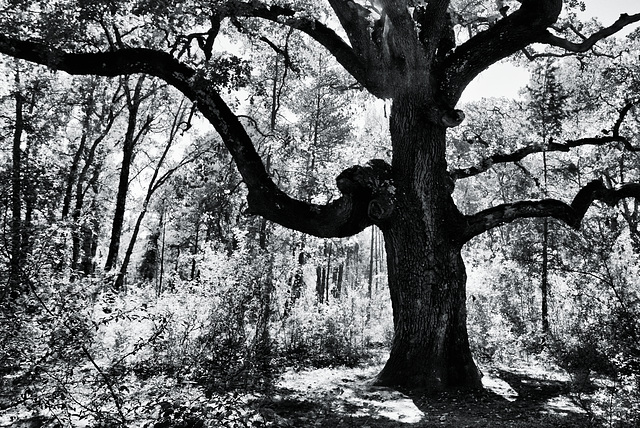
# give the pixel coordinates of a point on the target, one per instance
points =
(344, 397)
(527, 396)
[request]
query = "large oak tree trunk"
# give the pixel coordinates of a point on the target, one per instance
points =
(426, 273)
(427, 282)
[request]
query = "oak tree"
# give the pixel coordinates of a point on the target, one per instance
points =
(404, 51)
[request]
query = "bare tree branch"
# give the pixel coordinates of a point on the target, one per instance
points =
(589, 42)
(523, 152)
(344, 217)
(571, 214)
(531, 56)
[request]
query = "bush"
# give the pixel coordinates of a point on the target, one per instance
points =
(331, 334)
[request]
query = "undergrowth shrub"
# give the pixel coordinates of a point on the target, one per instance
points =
(340, 332)
(201, 331)
(52, 350)
(601, 350)
(83, 353)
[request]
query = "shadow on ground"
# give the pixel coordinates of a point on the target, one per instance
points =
(344, 398)
(511, 399)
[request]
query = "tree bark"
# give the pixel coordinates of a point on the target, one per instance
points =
(371, 255)
(426, 273)
(154, 184)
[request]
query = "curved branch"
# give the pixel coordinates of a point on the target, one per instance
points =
(344, 217)
(523, 152)
(354, 63)
(571, 214)
(520, 154)
(354, 19)
(509, 35)
(589, 42)
(623, 114)
(529, 24)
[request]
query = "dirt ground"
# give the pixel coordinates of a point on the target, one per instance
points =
(343, 397)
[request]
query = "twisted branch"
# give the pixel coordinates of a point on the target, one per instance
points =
(570, 214)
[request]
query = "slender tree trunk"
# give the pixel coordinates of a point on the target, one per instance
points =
(85, 240)
(320, 283)
(339, 280)
(30, 197)
(160, 277)
(154, 184)
(128, 146)
(275, 93)
(29, 190)
(195, 248)
(121, 199)
(327, 277)
(262, 341)
(89, 246)
(68, 195)
(426, 272)
(127, 255)
(544, 285)
(16, 200)
(371, 255)
(73, 172)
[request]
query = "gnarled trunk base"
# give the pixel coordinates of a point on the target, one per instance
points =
(430, 349)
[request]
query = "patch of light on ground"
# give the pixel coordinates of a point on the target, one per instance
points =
(500, 387)
(563, 405)
(384, 402)
(351, 393)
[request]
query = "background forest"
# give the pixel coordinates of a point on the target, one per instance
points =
(137, 291)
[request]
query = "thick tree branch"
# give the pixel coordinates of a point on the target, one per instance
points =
(621, 116)
(435, 24)
(354, 19)
(344, 217)
(528, 25)
(509, 35)
(589, 42)
(571, 214)
(354, 63)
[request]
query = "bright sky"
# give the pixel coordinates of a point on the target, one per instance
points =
(505, 80)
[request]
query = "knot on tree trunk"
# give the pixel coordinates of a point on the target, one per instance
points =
(452, 118)
(373, 183)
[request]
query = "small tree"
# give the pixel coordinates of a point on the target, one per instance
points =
(546, 113)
